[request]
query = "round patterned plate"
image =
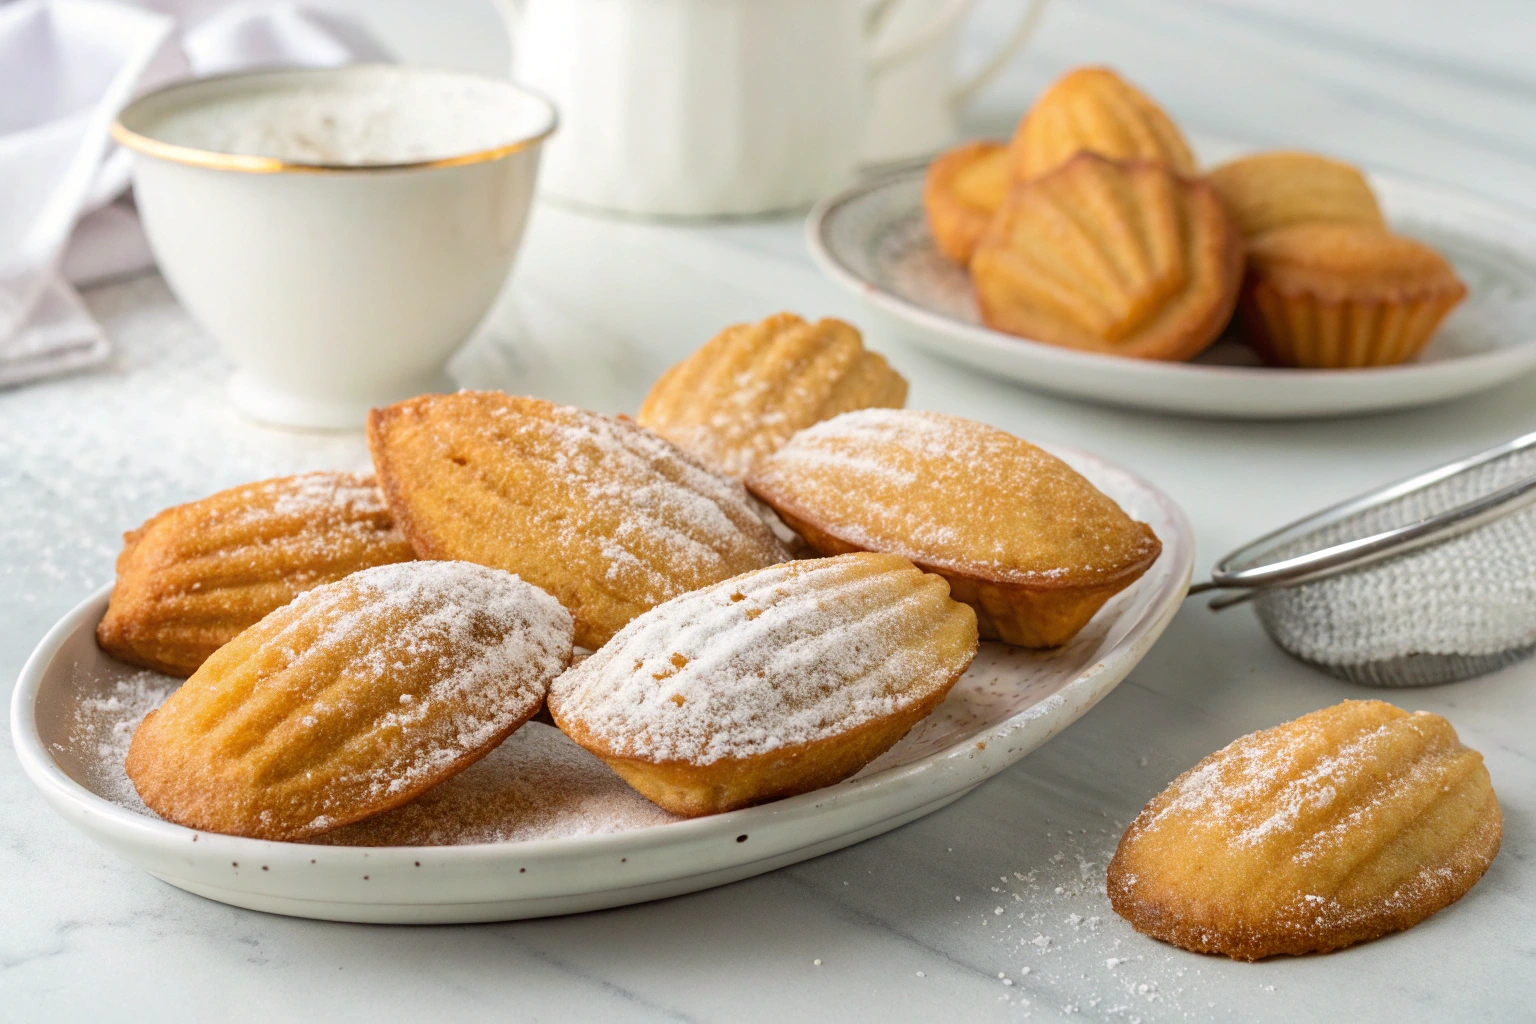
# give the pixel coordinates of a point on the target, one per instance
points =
(873, 239)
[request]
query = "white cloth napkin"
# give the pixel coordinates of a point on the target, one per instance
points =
(66, 68)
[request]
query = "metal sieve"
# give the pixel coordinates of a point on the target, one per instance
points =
(1428, 580)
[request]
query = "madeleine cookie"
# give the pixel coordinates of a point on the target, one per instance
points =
(1034, 548)
(1336, 828)
(602, 513)
(962, 191)
(351, 700)
(752, 385)
(1120, 258)
(1096, 110)
(1275, 190)
(1329, 296)
(774, 683)
(195, 576)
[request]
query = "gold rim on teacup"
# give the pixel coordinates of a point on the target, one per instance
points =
(252, 164)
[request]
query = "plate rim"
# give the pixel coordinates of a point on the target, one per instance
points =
(61, 791)
(1008, 345)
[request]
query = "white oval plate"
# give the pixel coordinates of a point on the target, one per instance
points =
(1006, 705)
(874, 240)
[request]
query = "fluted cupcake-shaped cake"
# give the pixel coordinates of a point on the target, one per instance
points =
(1332, 296)
(1094, 109)
(1119, 258)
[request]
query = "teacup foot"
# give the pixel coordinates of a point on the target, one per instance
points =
(315, 412)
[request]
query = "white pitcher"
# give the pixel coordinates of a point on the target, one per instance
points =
(711, 107)
(916, 103)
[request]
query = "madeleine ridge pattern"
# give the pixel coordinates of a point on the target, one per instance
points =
(1029, 543)
(750, 387)
(607, 516)
(1093, 109)
(1339, 827)
(777, 682)
(1275, 190)
(962, 191)
(195, 576)
(351, 700)
(1120, 258)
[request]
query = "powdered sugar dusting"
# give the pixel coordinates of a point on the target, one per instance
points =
(782, 656)
(536, 785)
(626, 512)
(490, 639)
(1298, 817)
(942, 490)
(104, 726)
(1266, 784)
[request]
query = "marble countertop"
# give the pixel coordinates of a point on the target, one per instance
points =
(903, 926)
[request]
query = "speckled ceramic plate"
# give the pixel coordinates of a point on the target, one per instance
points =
(873, 240)
(1006, 705)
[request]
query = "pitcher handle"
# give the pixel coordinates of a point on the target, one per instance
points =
(893, 54)
(994, 65)
(511, 12)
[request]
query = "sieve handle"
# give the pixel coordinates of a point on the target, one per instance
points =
(1353, 554)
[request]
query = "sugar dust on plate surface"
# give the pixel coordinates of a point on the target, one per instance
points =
(1078, 947)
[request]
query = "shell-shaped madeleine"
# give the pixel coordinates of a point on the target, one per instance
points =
(962, 190)
(351, 700)
(1120, 258)
(607, 516)
(1327, 296)
(1030, 544)
(774, 683)
(753, 385)
(195, 576)
(1096, 110)
(1341, 826)
(1274, 190)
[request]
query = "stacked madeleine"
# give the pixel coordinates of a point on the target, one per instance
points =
(1092, 229)
(353, 644)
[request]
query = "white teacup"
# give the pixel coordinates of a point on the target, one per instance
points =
(339, 232)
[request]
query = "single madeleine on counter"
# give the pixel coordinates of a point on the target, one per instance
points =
(774, 683)
(1093, 109)
(1336, 828)
(962, 191)
(351, 700)
(1275, 190)
(1332, 296)
(753, 385)
(195, 576)
(1021, 537)
(1119, 258)
(604, 514)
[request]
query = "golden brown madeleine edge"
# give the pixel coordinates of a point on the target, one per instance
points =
(1166, 921)
(131, 639)
(178, 792)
